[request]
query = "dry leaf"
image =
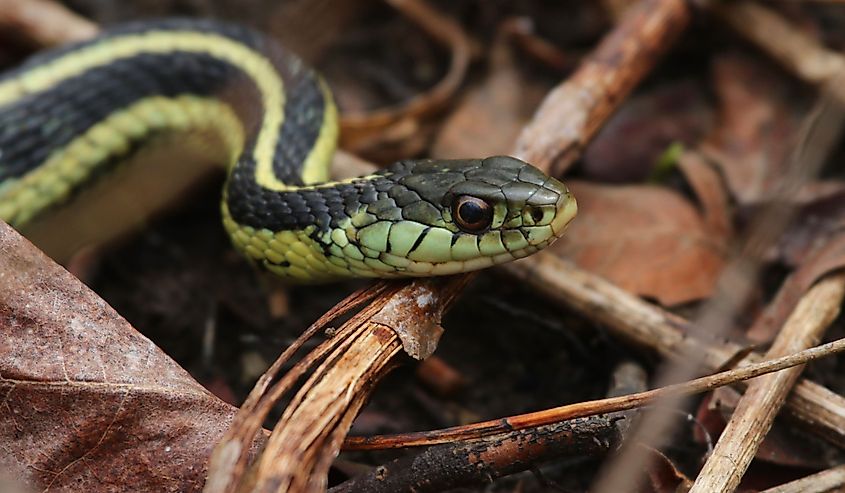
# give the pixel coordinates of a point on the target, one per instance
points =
(489, 118)
(90, 404)
(663, 475)
(760, 115)
(646, 239)
(829, 255)
(816, 222)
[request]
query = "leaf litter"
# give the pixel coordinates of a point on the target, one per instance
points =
(84, 393)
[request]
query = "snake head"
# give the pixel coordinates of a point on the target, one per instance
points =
(471, 214)
(415, 218)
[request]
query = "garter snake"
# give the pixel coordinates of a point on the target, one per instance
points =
(71, 117)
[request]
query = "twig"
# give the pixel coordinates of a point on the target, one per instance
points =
(647, 325)
(763, 399)
(522, 31)
(357, 129)
(573, 112)
(44, 23)
(592, 408)
(797, 51)
(477, 462)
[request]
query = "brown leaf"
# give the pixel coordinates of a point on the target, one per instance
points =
(489, 118)
(89, 404)
(646, 239)
(760, 113)
(663, 476)
(829, 255)
(816, 221)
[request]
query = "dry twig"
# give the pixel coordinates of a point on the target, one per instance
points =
(44, 23)
(801, 54)
(477, 462)
(647, 325)
(573, 112)
(362, 131)
(764, 397)
(592, 408)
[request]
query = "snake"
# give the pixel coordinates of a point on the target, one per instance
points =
(74, 116)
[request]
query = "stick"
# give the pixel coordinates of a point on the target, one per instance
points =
(647, 325)
(477, 462)
(797, 51)
(592, 408)
(763, 399)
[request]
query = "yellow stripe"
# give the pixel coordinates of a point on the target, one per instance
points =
(52, 181)
(315, 168)
(252, 63)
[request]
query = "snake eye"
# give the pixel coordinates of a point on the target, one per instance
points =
(472, 214)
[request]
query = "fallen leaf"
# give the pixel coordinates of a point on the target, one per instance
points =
(829, 255)
(815, 223)
(663, 475)
(90, 404)
(488, 119)
(647, 239)
(758, 124)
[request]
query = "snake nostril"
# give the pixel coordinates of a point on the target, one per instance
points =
(537, 215)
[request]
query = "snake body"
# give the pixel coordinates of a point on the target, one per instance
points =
(70, 117)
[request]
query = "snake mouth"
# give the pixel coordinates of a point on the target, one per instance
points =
(567, 208)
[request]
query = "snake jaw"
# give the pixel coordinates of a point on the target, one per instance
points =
(567, 208)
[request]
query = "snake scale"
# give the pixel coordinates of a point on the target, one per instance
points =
(73, 116)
